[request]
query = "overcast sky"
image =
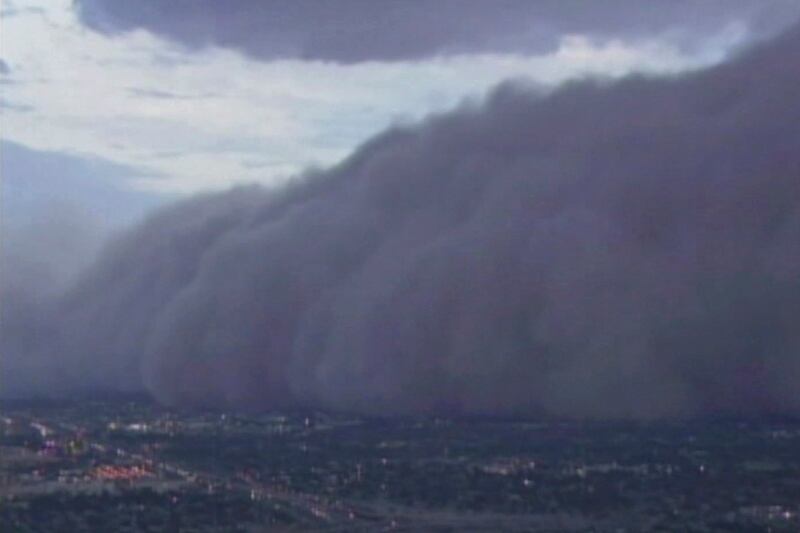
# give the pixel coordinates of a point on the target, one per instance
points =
(188, 100)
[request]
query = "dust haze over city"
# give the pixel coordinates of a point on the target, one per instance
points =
(357, 212)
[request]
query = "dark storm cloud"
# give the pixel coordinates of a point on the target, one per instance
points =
(350, 31)
(611, 250)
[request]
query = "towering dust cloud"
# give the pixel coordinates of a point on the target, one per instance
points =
(627, 249)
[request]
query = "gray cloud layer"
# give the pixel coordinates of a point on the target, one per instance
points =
(350, 31)
(627, 249)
